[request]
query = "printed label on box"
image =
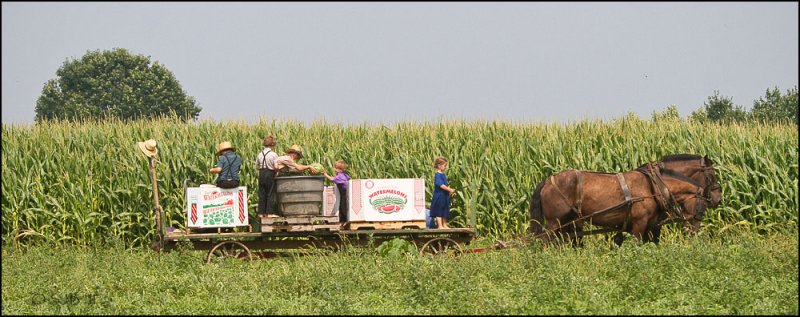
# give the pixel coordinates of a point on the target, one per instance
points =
(395, 199)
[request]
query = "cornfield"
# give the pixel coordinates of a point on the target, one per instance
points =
(88, 183)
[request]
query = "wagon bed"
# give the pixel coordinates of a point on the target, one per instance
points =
(250, 244)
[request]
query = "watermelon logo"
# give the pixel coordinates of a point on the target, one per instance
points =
(218, 214)
(388, 203)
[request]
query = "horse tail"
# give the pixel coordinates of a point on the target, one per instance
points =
(537, 218)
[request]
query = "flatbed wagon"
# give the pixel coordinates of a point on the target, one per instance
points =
(298, 235)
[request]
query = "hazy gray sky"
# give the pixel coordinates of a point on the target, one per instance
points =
(388, 62)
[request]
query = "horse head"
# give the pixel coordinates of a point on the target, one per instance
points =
(701, 170)
(689, 196)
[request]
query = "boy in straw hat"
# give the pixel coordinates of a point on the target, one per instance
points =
(227, 167)
(288, 162)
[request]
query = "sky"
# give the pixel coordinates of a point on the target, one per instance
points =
(385, 62)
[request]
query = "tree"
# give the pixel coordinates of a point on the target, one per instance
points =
(699, 115)
(775, 107)
(669, 114)
(721, 108)
(115, 84)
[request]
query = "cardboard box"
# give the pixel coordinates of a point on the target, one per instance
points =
(393, 199)
(330, 201)
(209, 206)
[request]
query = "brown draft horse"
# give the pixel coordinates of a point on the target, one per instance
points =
(637, 201)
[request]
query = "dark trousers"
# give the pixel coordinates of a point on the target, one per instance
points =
(228, 183)
(342, 206)
(266, 191)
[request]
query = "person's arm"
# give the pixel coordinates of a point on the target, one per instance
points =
(293, 165)
(340, 179)
(330, 178)
(440, 182)
(306, 167)
(259, 159)
(217, 168)
(281, 162)
(448, 189)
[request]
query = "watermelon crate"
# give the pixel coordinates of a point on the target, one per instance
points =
(209, 206)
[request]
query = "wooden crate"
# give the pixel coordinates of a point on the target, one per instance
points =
(299, 228)
(310, 220)
(386, 225)
(299, 223)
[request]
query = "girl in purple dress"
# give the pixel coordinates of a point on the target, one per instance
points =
(340, 179)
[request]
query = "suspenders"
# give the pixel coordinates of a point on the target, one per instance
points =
(228, 175)
(263, 161)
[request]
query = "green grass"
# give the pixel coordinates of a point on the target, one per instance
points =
(733, 272)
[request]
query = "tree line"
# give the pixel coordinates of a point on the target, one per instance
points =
(772, 107)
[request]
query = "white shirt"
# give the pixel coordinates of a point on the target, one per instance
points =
(266, 159)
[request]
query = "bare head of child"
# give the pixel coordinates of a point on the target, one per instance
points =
(340, 166)
(440, 164)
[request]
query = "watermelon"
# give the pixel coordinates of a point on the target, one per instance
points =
(317, 166)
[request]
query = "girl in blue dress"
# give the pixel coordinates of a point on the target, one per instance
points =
(440, 202)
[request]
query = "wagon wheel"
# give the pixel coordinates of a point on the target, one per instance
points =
(441, 246)
(228, 249)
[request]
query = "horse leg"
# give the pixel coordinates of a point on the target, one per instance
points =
(691, 227)
(656, 234)
(577, 241)
(569, 231)
(550, 233)
(618, 238)
(575, 234)
(638, 228)
(652, 234)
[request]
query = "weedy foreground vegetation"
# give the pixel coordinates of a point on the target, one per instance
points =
(737, 272)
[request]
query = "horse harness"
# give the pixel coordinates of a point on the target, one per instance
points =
(663, 196)
(675, 207)
(576, 209)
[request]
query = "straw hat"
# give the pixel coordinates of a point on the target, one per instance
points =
(148, 148)
(225, 145)
(295, 149)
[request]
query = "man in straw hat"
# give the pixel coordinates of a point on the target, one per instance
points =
(288, 162)
(227, 167)
(265, 164)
